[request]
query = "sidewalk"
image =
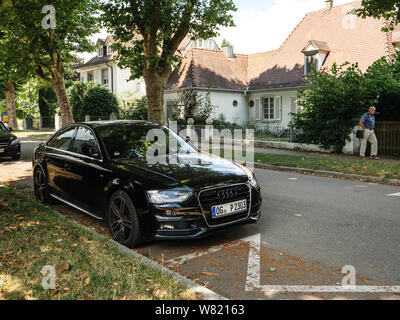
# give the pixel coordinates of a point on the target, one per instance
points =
(320, 155)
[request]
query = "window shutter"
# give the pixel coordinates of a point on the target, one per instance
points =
(252, 113)
(257, 109)
(293, 101)
(278, 108)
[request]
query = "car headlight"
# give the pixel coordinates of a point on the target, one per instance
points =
(252, 178)
(168, 196)
(14, 142)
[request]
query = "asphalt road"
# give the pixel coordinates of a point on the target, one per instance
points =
(316, 219)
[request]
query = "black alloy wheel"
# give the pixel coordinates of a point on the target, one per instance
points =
(41, 188)
(123, 220)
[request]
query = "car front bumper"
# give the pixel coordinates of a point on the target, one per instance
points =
(193, 224)
(11, 150)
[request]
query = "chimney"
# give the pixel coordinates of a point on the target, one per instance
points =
(328, 4)
(228, 51)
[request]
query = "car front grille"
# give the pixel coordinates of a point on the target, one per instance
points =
(223, 195)
(3, 145)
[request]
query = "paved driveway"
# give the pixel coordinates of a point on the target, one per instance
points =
(312, 227)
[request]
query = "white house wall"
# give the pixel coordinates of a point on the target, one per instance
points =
(221, 100)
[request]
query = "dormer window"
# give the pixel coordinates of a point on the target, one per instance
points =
(103, 51)
(310, 63)
(315, 54)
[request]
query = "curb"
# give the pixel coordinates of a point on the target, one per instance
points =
(395, 182)
(202, 291)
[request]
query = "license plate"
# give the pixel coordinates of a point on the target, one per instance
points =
(2, 150)
(228, 209)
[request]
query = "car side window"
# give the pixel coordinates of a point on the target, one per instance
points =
(63, 140)
(85, 143)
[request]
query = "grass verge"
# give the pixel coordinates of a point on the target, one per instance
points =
(373, 168)
(87, 266)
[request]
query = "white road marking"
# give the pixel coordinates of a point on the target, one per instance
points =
(394, 194)
(253, 282)
(294, 179)
(183, 259)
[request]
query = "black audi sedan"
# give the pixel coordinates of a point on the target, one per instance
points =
(103, 169)
(9, 143)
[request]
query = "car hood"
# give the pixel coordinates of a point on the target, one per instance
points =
(193, 170)
(5, 137)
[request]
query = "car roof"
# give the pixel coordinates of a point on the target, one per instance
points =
(106, 123)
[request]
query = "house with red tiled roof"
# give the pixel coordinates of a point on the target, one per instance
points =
(262, 88)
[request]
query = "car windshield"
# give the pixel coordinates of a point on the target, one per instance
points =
(128, 141)
(3, 127)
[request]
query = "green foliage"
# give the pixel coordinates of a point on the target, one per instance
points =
(138, 110)
(383, 80)
(76, 93)
(98, 101)
(225, 43)
(167, 23)
(75, 21)
(332, 104)
(47, 101)
(387, 9)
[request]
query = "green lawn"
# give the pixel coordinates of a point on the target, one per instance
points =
(381, 169)
(88, 266)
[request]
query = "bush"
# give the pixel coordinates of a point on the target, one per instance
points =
(76, 93)
(99, 102)
(47, 101)
(138, 110)
(332, 105)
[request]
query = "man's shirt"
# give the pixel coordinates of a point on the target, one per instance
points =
(369, 121)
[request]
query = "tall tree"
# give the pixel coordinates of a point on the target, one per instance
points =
(149, 32)
(50, 35)
(15, 68)
(387, 9)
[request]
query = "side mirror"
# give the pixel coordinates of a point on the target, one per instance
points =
(10, 129)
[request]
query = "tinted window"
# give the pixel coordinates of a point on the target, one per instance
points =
(127, 141)
(62, 140)
(85, 143)
(3, 127)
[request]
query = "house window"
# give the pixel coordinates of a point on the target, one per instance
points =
(109, 50)
(269, 108)
(310, 63)
(272, 108)
(90, 76)
(104, 77)
(100, 51)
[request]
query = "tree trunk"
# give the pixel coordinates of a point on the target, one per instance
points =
(155, 96)
(9, 91)
(58, 84)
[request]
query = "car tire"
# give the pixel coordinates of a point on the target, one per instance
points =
(123, 221)
(41, 186)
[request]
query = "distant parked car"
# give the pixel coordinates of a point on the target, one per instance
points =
(10, 145)
(101, 169)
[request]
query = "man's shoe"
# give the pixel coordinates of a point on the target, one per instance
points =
(375, 158)
(362, 158)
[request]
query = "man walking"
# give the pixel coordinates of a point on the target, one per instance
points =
(368, 125)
